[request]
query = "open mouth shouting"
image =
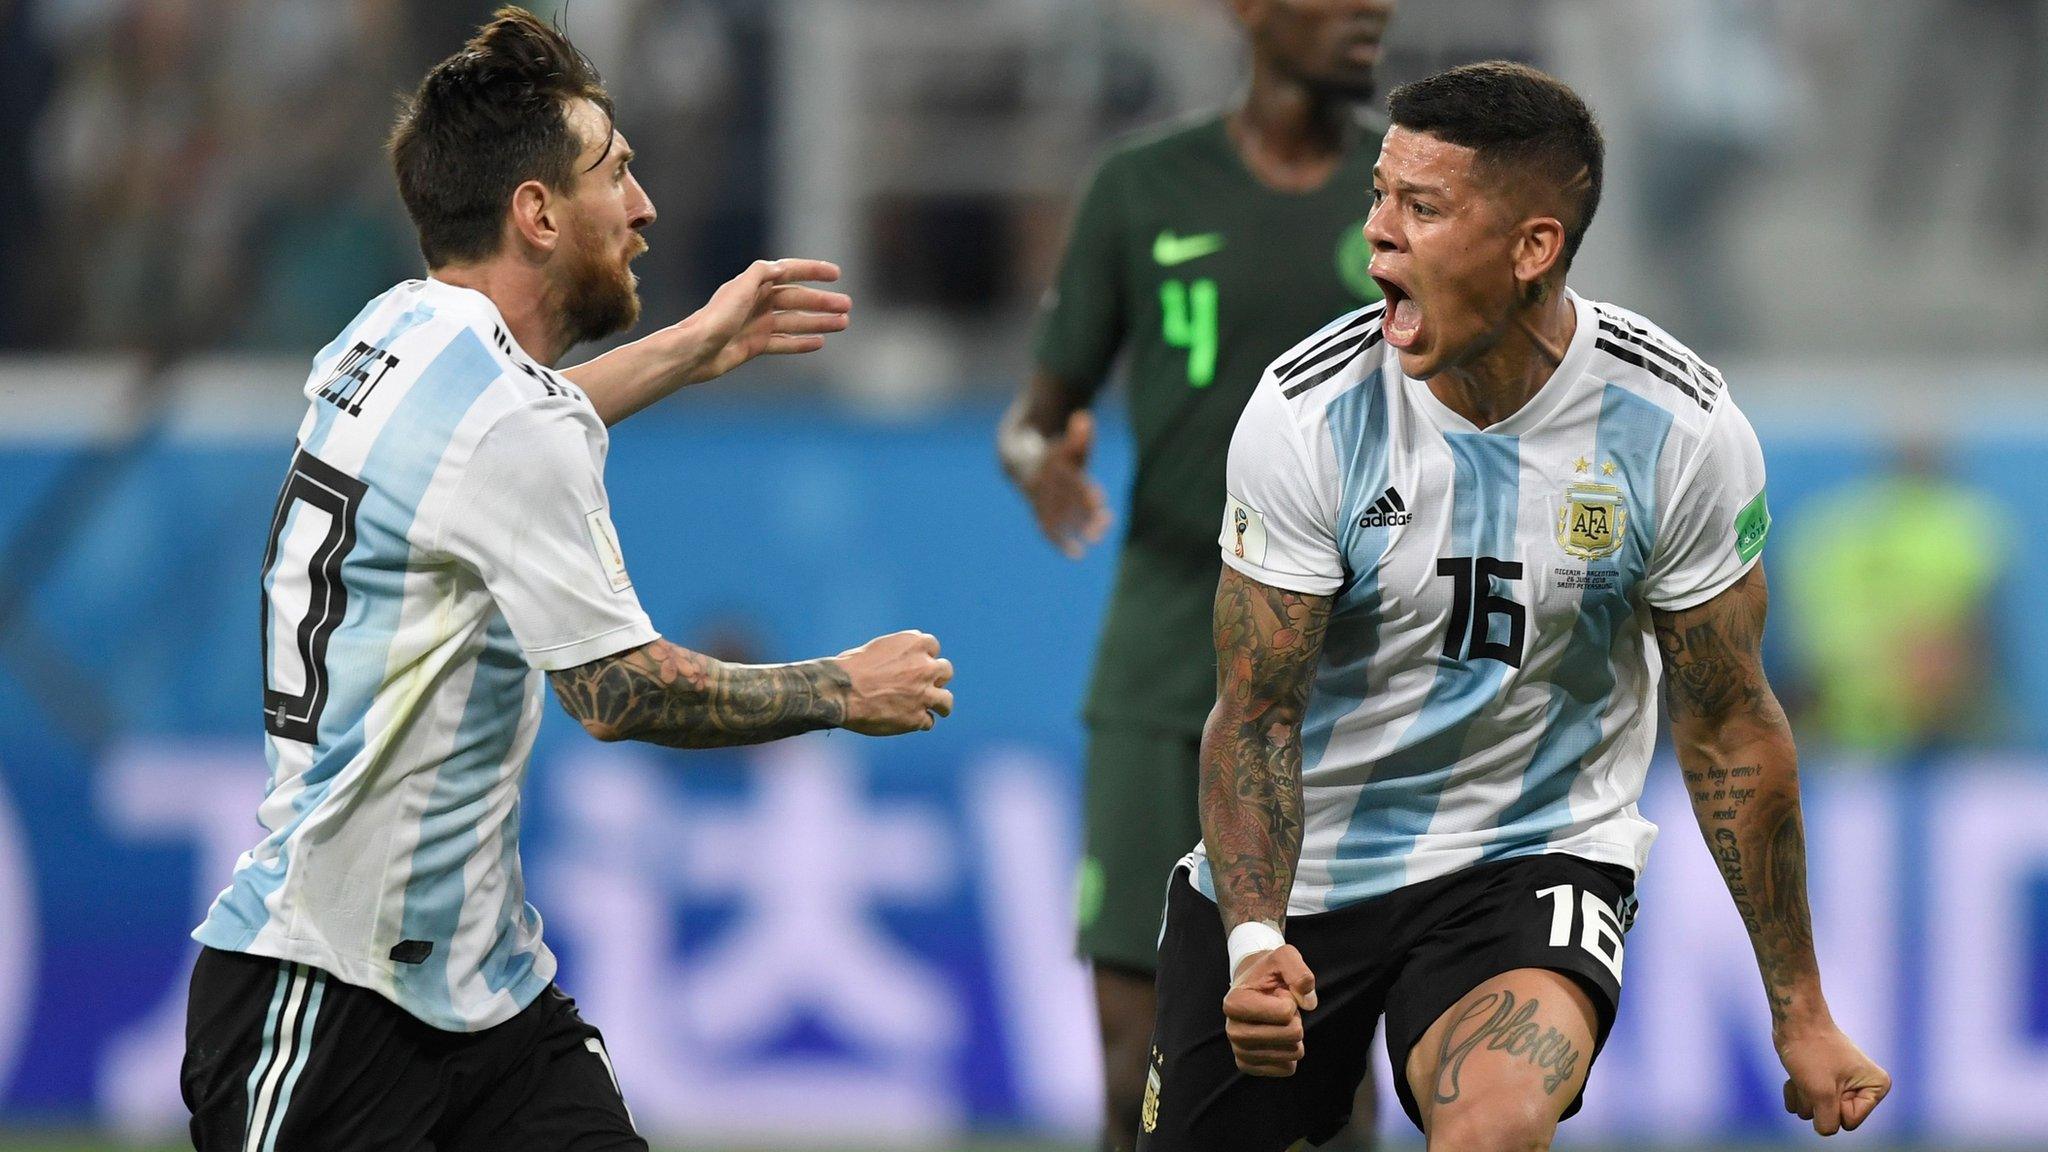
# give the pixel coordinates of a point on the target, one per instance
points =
(1402, 322)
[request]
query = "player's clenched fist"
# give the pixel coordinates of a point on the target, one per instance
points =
(896, 684)
(1832, 1082)
(1262, 1012)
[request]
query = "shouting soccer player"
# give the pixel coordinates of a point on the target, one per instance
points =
(373, 977)
(1202, 251)
(1456, 522)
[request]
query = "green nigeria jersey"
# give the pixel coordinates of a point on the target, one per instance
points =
(1180, 258)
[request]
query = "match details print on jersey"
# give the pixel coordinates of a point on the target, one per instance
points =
(1492, 591)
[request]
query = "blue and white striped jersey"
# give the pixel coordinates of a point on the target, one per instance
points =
(442, 538)
(1489, 677)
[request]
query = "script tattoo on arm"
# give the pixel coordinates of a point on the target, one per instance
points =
(1268, 641)
(1496, 1023)
(1742, 773)
(664, 694)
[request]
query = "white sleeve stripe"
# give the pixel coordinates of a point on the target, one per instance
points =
(1285, 581)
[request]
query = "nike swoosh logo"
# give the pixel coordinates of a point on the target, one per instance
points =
(1170, 250)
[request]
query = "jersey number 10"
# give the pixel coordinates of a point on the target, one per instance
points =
(322, 488)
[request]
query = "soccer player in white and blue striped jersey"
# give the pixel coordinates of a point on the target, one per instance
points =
(373, 976)
(1457, 522)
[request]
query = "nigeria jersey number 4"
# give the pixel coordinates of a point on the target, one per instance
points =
(1488, 678)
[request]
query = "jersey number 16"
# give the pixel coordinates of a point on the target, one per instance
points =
(1474, 604)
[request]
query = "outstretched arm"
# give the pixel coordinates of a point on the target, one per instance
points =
(765, 310)
(665, 694)
(1735, 748)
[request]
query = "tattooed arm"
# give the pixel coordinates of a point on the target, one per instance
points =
(1267, 644)
(664, 694)
(1735, 749)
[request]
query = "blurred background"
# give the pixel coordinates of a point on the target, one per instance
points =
(1844, 206)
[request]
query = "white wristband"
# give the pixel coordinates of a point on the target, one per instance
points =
(1250, 937)
(1023, 450)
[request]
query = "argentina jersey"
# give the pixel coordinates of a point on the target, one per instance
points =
(1488, 681)
(442, 538)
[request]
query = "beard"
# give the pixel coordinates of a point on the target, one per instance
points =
(1346, 87)
(598, 296)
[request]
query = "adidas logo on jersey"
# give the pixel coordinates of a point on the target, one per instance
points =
(1386, 512)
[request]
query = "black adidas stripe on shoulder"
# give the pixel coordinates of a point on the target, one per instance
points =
(1675, 355)
(1630, 354)
(1340, 355)
(550, 383)
(1331, 357)
(1365, 317)
(1680, 368)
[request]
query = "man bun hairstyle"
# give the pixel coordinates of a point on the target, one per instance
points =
(1516, 117)
(485, 121)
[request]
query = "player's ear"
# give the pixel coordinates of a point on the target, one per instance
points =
(1539, 246)
(534, 216)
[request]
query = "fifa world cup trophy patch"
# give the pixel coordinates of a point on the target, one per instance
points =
(1244, 531)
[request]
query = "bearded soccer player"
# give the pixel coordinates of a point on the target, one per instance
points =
(1199, 253)
(1457, 522)
(373, 977)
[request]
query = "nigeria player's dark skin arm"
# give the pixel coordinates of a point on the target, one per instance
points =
(1742, 772)
(1043, 442)
(664, 694)
(1267, 643)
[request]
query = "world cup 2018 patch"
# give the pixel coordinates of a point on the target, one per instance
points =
(1244, 531)
(609, 557)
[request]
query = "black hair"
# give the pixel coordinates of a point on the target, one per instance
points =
(485, 121)
(1514, 116)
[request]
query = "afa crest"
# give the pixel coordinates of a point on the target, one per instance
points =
(1591, 524)
(1149, 1116)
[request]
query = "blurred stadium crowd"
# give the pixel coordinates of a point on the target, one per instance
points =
(208, 173)
(1787, 175)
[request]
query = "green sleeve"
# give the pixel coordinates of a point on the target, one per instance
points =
(1082, 321)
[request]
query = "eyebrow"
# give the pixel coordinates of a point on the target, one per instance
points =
(1410, 186)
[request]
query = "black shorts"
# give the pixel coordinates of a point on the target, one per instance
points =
(284, 1057)
(1409, 955)
(1140, 817)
